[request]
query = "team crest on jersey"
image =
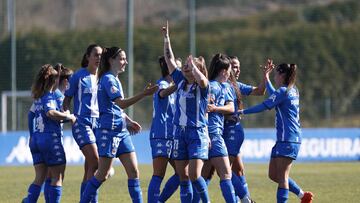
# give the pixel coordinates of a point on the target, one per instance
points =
(113, 89)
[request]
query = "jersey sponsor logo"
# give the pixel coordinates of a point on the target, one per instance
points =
(90, 90)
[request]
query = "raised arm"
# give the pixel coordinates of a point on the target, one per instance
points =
(267, 70)
(199, 77)
(126, 102)
(168, 53)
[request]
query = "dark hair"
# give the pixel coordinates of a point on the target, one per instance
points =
(44, 80)
(218, 63)
(290, 73)
(233, 57)
(163, 66)
(108, 53)
(64, 72)
(84, 61)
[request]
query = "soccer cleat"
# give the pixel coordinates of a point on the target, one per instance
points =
(307, 198)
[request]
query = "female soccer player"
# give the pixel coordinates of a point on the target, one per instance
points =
(191, 142)
(45, 139)
(221, 102)
(64, 75)
(234, 132)
(83, 88)
(162, 136)
(113, 137)
(285, 100)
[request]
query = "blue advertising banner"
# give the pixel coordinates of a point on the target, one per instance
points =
(318, 144)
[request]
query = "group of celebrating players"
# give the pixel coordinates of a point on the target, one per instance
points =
(196, 126)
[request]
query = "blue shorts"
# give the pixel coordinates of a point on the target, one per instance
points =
(233, 137)
(83, 131)
(161, 147)
(47, 148)
(218, 147)
(285, 149)
(190, 143)
(112, 144)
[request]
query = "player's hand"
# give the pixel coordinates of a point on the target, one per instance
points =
(268, 68)
(72, 118)
(133, 127)
(150, 89)
(165, 30)
(211, 108)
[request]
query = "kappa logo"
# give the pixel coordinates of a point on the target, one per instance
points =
(54, 135)
(159, 145)
(104, 137)
(56, 147)
(232, 138)
(103, 145)
(55, 140)
(79, 136)
(105, 131)
(159, 151)
(58, 154)
(77, 130)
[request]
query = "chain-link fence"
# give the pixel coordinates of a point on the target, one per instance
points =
(321, 36)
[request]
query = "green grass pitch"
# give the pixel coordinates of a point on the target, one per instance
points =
(330, 182)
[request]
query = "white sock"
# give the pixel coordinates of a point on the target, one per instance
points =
(246, 199)
(301, 194)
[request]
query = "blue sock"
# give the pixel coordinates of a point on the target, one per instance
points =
(240, 185)
(293, 187)
(47, 190)
(95, 199)
(33, 193)
(201, 189)
(154, 189)
(282, 195)
(55, 194)
(135, 190)
(227, 190)
(196, 196)
(170, 187)
(90, 190)
(185, 191)
(82, 188)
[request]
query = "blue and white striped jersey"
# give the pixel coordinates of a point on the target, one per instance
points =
(286, 104)
(190, 104)
(162, 126)
(83, 88)
(111, 115)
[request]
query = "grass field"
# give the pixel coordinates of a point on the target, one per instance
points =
(330, 182)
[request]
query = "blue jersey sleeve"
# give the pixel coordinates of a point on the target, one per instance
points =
(162, 85)
(112, 88)
(177, 76)
(270, 88)
(245, 89)
(72, 86)
(255, 109)
(229, 97)
(276, 98)
(48, 103)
